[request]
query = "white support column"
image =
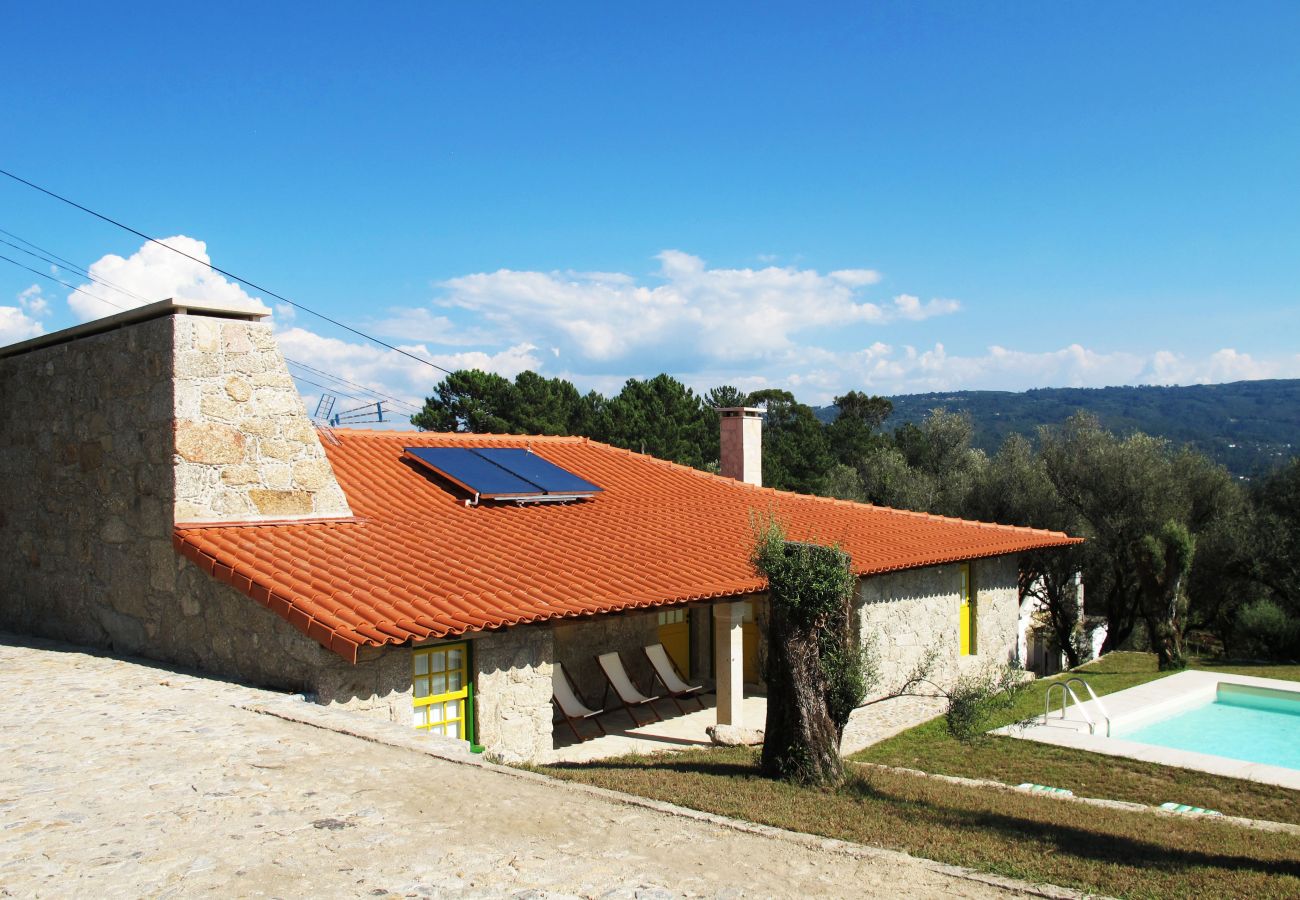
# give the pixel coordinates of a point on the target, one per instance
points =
(729, 662)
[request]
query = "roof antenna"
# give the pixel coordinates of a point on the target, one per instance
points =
(321, 418)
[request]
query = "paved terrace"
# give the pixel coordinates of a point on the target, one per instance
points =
(123, 779)
(679, 731)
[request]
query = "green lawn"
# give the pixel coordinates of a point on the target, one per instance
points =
(1117, 852)
(930, 748)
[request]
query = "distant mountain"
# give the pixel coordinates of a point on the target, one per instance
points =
(1249, 426)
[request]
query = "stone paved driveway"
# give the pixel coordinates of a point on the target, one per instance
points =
(121, 779)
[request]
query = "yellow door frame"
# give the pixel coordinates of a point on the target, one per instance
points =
(969, 620)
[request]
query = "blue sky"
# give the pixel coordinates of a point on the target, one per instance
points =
(894, 197)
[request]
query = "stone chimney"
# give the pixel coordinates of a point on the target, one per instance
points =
(245, 447)
(742, 444)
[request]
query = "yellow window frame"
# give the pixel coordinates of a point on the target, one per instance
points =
(435, 709)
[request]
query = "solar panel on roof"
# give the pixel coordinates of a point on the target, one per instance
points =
(472, 472)
(502, 473)
(545, 474)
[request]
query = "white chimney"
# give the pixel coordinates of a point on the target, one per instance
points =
(742, 444)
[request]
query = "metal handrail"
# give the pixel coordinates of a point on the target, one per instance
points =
(1068, 694)
(1101, 707)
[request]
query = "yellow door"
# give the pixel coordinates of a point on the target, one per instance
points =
(675, 635)
(967, 624)
(440, 692)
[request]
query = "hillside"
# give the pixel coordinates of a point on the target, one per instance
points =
(1249, 426)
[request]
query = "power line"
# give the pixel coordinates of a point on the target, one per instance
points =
(72, 287)
(222, 271)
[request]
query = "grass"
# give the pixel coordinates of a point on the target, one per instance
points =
(930, 748)
(1118, 852)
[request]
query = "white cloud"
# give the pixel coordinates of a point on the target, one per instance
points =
(712, 315)
(19, 323)
(909, 307)
(420, 324)
(33, 302)
(155, 273)
(16, 325)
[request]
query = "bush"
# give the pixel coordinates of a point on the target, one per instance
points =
(975, 699)
(1264, 630)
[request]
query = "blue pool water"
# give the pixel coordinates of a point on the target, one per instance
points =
(1245, 722)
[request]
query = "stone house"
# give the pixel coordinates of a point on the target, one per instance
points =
(164, 493)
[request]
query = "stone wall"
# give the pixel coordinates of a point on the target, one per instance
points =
(512, 690)
(905, 614)
(579, 641)
(997, 595)
(245, 448)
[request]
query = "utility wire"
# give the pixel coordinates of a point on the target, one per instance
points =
(245, 281)
(72, 287)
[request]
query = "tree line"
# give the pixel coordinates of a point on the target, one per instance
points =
(1176, 546)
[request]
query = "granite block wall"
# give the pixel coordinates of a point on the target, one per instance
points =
(905, 614)
(245, 448)
(512, 691)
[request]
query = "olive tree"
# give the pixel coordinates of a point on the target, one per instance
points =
(816, 673)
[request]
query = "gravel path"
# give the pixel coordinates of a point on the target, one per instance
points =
(123, 779)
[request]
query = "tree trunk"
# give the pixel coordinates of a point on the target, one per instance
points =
(800, 743)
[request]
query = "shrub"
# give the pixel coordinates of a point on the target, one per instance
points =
(975, 699)
(1265, 630)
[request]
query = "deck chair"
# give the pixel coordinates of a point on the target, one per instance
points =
(666, 672)
(573, 709)
(616, 677)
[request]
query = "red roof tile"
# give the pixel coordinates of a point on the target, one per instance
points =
(416, 563)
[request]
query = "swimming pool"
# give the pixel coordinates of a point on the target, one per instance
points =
(1254, 724)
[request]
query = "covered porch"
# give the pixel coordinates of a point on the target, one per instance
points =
(717, 645)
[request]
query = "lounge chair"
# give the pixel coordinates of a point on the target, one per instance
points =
(616, 677)
(666, 672)
(572, 708)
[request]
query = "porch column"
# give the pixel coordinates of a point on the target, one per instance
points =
(729, 662)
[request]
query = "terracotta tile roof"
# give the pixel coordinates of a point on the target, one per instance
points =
(416, 563)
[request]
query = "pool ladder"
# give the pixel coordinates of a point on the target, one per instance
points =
(1068, 694)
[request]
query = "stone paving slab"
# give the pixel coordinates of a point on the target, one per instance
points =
(124, 779)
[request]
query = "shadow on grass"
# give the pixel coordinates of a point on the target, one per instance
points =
(1085, 843)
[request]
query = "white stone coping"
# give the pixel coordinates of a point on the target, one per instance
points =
(1135, 707)
(132, 316)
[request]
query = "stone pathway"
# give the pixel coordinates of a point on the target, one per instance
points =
(873, 723)
(123, 779)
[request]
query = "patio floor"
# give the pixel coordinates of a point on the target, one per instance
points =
(679, 731)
